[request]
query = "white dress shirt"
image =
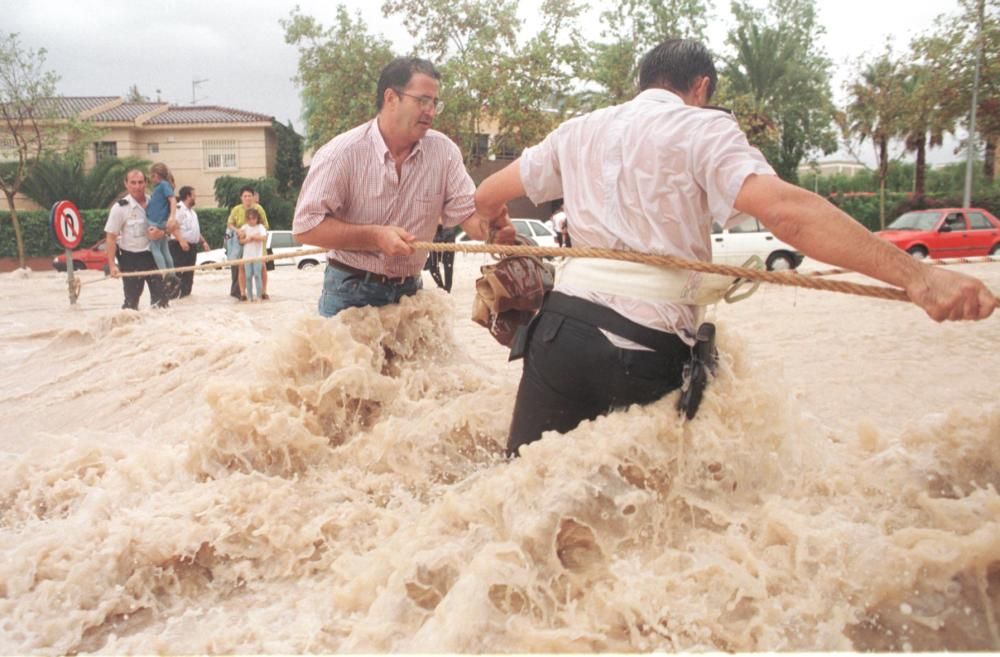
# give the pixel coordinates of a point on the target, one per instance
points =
(187, 220)
(649, 175)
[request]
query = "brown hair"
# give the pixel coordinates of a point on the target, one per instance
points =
(163, 171)
(252, 212)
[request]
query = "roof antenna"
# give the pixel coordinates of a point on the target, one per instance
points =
(195, 83)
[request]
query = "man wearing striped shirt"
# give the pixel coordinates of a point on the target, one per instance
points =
(377, 188)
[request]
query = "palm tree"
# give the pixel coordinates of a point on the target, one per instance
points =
(875, 111)
(925, 118)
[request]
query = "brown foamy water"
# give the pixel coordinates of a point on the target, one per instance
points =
(224, 477)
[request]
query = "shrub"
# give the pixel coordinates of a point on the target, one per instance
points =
(38, 241)
(279, 211)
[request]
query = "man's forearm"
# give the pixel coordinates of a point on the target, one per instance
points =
(335, 234)
(822, 231)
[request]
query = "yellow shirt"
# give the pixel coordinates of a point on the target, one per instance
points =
(238, 216)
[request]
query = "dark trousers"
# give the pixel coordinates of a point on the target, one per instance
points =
(130, 261)
(183, 258)
(573, 373)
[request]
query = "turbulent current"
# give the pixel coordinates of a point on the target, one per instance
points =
(188, 484)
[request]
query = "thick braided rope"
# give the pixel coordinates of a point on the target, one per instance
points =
(935, 263)
(217, 265)
(794, 279)
(778, 278)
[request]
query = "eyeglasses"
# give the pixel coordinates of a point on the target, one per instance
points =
(426, 102)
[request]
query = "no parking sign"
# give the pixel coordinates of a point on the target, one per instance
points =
(66, 224)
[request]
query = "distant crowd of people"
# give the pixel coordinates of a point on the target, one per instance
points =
(150, 229)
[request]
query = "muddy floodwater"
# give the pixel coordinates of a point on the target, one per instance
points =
(250, 478)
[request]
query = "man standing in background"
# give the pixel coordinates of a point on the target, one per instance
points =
(184, 245)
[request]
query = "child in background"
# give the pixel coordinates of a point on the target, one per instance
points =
(252, 236)
(161, 212)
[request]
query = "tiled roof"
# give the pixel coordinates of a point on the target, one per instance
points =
(127, 112)
(69, 106)
(74, 106)
(206, 114)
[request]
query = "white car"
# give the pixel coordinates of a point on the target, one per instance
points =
(280, 242)
(733, 246)
(538, 231)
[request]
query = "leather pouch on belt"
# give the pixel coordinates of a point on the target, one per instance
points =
(509, 293)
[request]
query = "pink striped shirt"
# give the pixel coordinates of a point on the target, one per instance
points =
(353, 178)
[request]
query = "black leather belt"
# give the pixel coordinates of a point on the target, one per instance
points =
(368, 276)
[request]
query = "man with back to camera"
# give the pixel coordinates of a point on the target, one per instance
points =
(651, 175)
(377, 188)
(127, 244)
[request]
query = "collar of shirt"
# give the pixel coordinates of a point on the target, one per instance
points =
(378, 143)
(660, 96)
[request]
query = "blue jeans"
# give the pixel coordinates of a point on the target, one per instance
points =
(252, 270)
(342, 290)
(161, 253)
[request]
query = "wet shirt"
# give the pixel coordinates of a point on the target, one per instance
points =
(353, 178)
(128, 222)
(649, 175)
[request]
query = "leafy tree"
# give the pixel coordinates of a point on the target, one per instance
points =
(630, 29)
(951, 50)
(778, 81)
(288, 168)
(489, 80)
(27, 120)
(279, 210)
(925, 118)
(875, 111)
(338, 72)
(61, 177)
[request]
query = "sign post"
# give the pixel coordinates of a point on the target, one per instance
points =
(66, 226)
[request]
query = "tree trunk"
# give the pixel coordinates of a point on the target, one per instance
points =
(19, 240)
(990, 159)
(920, 171)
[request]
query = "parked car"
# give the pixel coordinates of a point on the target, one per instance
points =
(733, 246)
(92, 257)
(281, 242)
(537, 232)
(945, 233)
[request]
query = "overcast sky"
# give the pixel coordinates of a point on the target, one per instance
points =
(238, 49)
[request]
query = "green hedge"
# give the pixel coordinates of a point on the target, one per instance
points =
(864, 209)
(38, 241)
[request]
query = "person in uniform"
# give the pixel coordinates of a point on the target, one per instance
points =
(184, 247)
(377, 188)
(651, 175)
(128, 235)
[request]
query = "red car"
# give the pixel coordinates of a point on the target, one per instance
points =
(945, 233)
(90, 258)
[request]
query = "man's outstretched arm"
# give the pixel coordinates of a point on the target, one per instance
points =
(820, 230)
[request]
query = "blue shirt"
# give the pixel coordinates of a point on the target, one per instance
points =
(158, 208)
